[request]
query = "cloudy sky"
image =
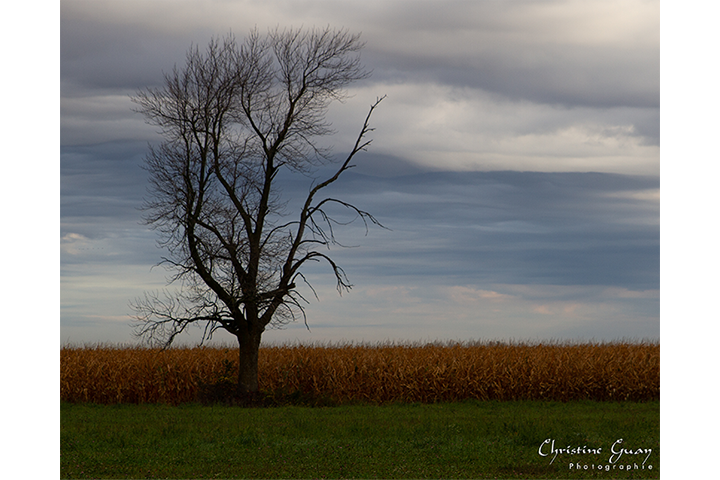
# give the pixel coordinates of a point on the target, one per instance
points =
(515, 162)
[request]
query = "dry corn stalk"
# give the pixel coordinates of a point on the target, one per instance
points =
(377, 373)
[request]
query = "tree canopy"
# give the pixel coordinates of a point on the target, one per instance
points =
(231, 119)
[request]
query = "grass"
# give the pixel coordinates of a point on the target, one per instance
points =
(470, 439)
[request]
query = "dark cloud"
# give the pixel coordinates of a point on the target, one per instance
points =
(104, 180)
(535, 86)
(511, 227)
(569, 78)
(108, 53)
(562, 230)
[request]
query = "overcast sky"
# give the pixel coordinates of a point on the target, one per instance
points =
(515, 163)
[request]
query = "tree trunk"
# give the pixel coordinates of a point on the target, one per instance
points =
(249, 346)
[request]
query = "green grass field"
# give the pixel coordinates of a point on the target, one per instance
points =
(471, 439)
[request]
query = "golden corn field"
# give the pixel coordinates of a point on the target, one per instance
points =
(371, 373)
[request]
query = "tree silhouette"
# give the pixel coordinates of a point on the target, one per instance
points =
(232, 118)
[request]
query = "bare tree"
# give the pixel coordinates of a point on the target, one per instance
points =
(232, 118)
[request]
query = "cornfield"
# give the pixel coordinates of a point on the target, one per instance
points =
(379, 373)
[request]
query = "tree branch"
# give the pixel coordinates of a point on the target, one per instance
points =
(231, 118)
